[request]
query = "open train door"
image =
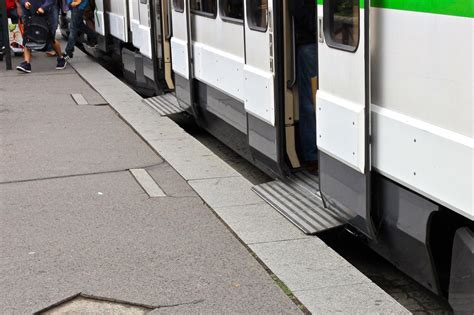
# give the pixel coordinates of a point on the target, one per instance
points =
(259, 80)
(100, 17)
(343, 109)
(181, 52)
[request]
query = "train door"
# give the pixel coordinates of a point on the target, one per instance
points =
(117, 18)
(259, 76)
(343, 109)
(139, 11)
(181, 51)
(100, 17)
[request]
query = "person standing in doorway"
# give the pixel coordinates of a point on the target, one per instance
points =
(304, 14)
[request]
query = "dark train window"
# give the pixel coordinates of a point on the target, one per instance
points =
(257, 14)
(341, 24)
(232, 10)
(178, 5)
(204, 7)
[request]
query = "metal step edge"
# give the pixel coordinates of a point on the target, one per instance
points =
(164, 104)
(298, 217)
(283, 213)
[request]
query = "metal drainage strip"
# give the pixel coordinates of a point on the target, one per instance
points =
(84, 304)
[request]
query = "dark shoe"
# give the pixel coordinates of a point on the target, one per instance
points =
(24, 67)
(61, 63)
(312, 167)
(92, 44)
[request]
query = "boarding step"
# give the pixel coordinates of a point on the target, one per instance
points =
(298, 199)
(165, 105)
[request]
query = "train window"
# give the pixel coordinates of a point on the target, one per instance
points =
(178, 5)
(232, 10)
(204, 7)
(257, 14)
(341, 24)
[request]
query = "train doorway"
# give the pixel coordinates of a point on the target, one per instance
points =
(301, 77)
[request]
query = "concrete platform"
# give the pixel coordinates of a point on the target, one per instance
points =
(321, 279)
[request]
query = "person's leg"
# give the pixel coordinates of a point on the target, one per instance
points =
(53, 22)
(306, 70)
(25, 66)
(74, 25)
(61, 61)
(57, 48)
(27, 55)
(91, 35)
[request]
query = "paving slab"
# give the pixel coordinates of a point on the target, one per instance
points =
(355, 299)
(320, 268)
(259, 223)
(226, 192)
(147, 183)
(170, 181)
(102, 235)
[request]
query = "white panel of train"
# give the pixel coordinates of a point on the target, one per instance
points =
(423, 104)
(100, 17)
(139, 17)
(179, 39)
(117, 18)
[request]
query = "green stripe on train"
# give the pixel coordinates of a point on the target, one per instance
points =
(464, 8)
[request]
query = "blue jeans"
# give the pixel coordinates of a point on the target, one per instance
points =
(53, 15)
(77, 26)
(307, 68)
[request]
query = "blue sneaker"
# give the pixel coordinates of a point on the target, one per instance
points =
(61, 63)
(24, 67)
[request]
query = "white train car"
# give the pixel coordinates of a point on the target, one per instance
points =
(394, 108)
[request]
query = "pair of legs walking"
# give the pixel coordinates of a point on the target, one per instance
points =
(52, 15)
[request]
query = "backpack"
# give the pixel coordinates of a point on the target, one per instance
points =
(37, 32)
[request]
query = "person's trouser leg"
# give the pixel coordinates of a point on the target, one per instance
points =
(91, 35)
(74, 25)
(26, 51)
(306, 70)
(53, 16)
